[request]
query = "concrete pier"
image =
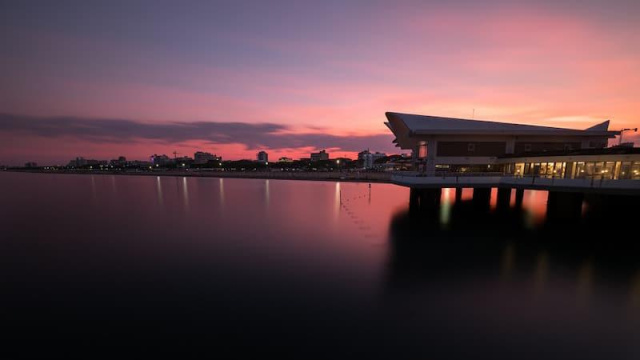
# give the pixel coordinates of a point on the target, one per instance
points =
(504, 198)
(519, 198)
(425, 200)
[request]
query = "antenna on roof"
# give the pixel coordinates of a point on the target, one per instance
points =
(473, 114)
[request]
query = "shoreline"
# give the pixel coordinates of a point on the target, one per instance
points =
(370, 177)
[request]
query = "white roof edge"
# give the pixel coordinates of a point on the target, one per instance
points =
(421, 124)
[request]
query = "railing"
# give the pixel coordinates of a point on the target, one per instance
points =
(493, 180)
(446, 174)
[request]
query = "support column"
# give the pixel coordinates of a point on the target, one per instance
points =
(481, 198)
(504, 198)
(519, 198)
(414, 200)
(430, 198)
(564, 205)
(432, 148)
(568, 170)
(458, 195)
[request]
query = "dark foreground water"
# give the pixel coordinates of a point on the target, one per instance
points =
(96, 265)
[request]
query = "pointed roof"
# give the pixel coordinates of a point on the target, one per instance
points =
(408, 125)
(438, 124)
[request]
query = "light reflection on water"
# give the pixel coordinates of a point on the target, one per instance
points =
(256, 261)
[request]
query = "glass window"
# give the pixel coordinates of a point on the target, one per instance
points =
(635, 170)
(519, 169)
(422, 150)
(542, 170)
(607, 171)
(616, 170)
(536, 169)
(550, 169)
(589, 169)
(558, 170)
(598, 170)
(580, 170)
(625, 170)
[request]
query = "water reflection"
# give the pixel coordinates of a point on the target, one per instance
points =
(447, 202)
(94, 192)
(274, 260)
(508, 261)
(337, 202)
(221, 191)
(584, 284)
(541, 272)
(159, 190)
(557, 255)
(185, 193)
(113, 184)
(267, 195)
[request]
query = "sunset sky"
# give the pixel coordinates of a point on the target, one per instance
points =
(100, 79)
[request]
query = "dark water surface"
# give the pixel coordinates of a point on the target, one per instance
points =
(227, 267)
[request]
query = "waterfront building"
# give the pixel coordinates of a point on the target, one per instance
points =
(616, 163)
(200, 158)
(451, 145)
(319, 156)
(262, 157)
(285, 159)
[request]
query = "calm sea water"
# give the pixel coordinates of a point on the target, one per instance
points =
(101, 264)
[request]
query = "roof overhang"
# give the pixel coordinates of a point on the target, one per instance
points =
(409, 128)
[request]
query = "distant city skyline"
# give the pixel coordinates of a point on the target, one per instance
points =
(101, 79)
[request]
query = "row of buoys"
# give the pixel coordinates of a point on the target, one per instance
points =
(362, 226)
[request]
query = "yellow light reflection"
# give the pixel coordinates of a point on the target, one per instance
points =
(445, 206)
(185, 193)
(159, 190)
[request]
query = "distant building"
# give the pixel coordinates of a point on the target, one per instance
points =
(160, 160)
(368, 159)
(139, 164)
(285, 159)
(92, 162)
(31, 165)
(200, 158)
(78, 162)
(262, 157)
(183, 161)
(322, 155)
(120, 161)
